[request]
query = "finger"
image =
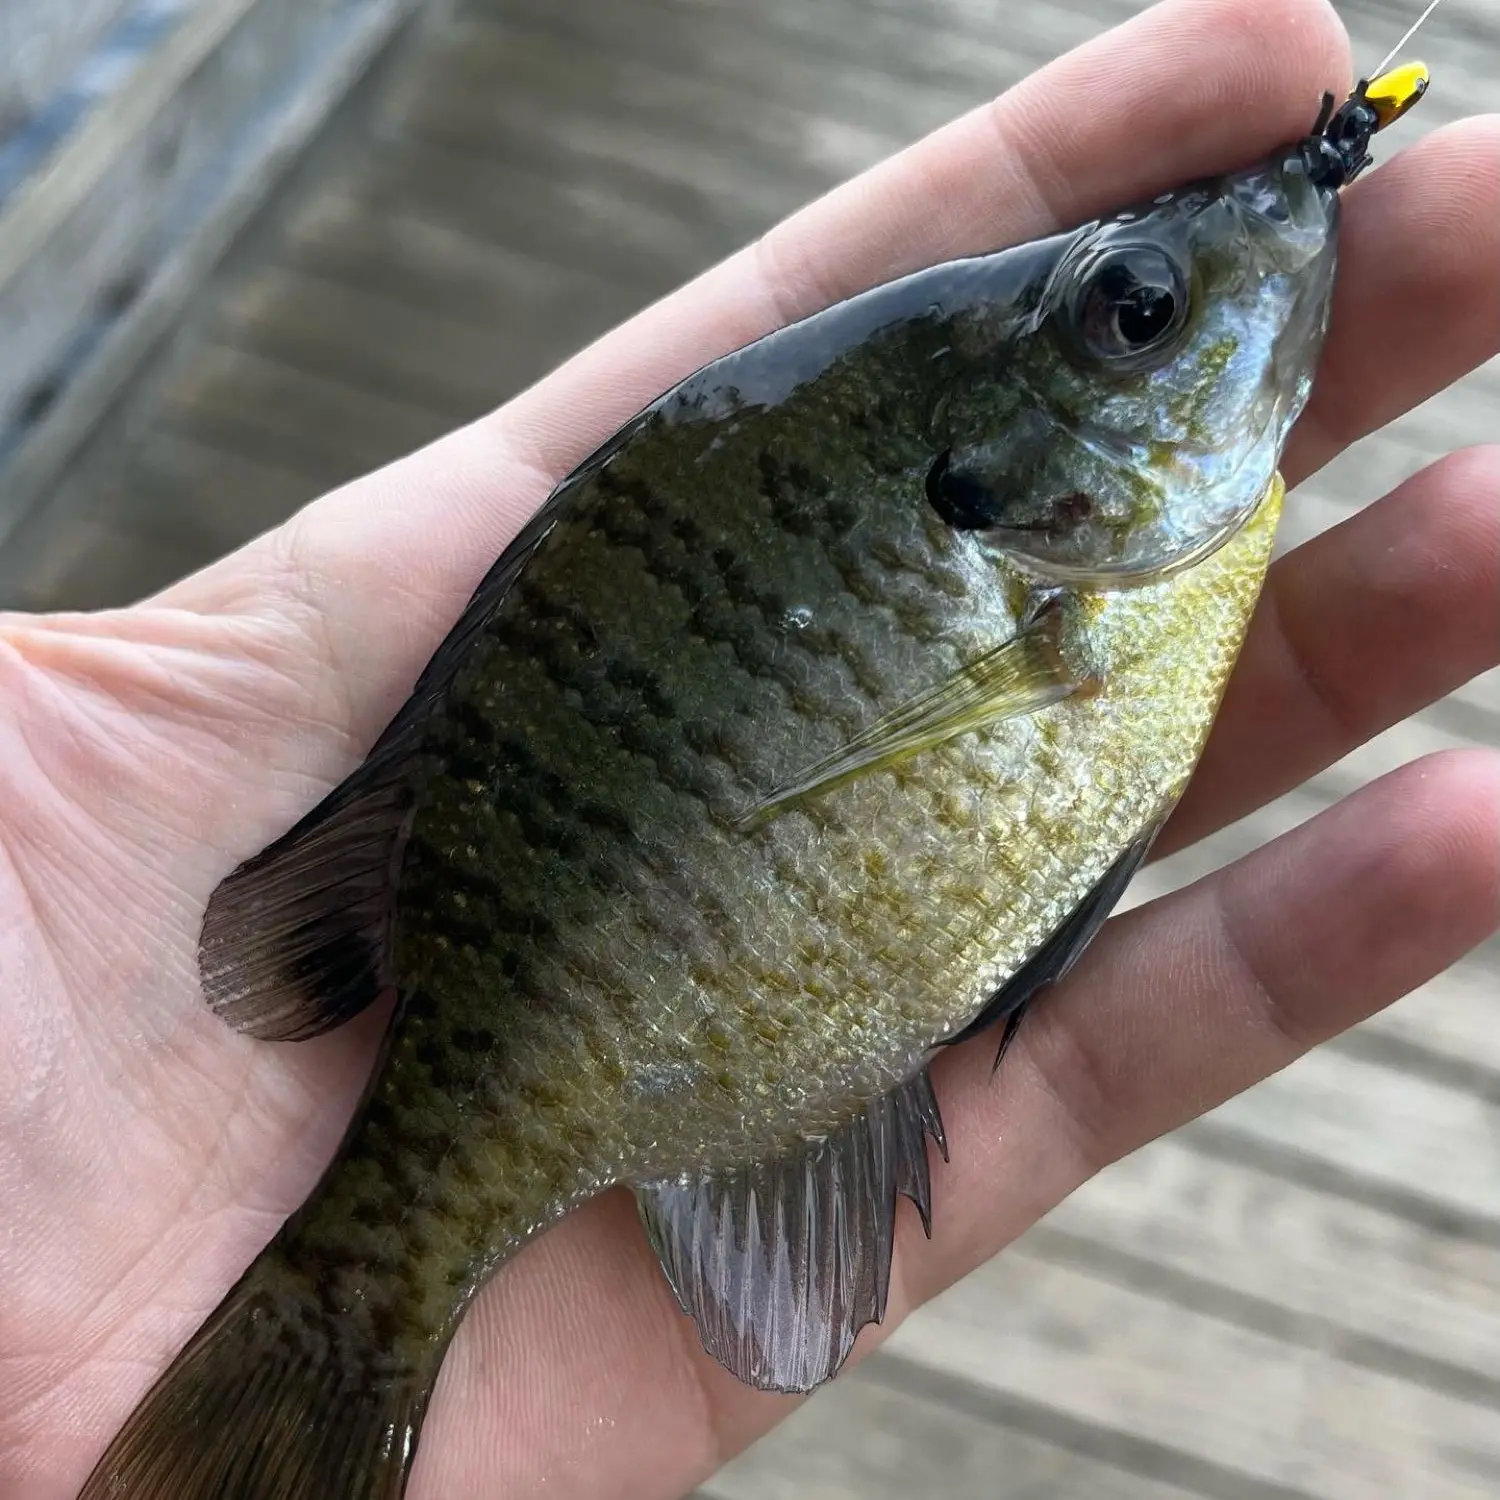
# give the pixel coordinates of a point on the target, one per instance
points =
(1417, 301)
(1356, 630)
(1190, 999)
(1075, 139)
(577, 1348)
(379, 569)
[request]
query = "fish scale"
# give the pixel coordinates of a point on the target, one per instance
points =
(818, 720)
(921, 950)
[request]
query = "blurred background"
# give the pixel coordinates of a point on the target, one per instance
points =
(252, 248)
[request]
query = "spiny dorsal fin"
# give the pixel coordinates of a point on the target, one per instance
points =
(781, 1264)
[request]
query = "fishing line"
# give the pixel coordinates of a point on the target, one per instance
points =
(1412, 30)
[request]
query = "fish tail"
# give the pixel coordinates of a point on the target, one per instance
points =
(270, 1401)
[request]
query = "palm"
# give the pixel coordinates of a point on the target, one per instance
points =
(146, 1153)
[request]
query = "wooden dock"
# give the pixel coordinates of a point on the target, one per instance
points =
(1297, 1298)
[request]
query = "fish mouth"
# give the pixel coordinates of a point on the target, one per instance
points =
(1178, 477)
(1277, 201)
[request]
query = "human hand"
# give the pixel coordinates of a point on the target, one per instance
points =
(146, 1153)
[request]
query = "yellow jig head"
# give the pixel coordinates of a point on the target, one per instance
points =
(1393, 93)
(1337, 151)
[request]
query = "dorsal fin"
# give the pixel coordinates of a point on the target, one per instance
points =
(296, 940)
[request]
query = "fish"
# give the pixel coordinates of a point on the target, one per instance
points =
(815, 723)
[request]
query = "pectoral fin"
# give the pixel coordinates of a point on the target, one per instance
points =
(1027, 673)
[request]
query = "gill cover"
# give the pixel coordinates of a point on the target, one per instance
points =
(1171, 352)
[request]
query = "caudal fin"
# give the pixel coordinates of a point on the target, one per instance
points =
(264, 1404)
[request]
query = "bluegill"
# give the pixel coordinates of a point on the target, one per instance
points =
(816, 722)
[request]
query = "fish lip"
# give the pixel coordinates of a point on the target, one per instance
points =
(1305, 217)
(1293, 191)
(1103, 579)
(1122, 576)
(1106, 579)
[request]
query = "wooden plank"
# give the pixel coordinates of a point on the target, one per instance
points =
(1386, 1131)
(629, 117)
(548, 208)
(835, 57)
(1247, 1404)
(461, 368)
(838, 70)
(41, 42)
(92, 564)
(942, 49)
(892, 1431)
(99, 253)
(206, 499)
(437, 258)
(1244, 1245)
(137, 522)
(90, 220)
(245, 403)
(126, 520)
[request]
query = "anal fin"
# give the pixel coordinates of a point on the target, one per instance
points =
(781, 1264)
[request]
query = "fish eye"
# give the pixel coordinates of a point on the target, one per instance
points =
(1129, 305)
